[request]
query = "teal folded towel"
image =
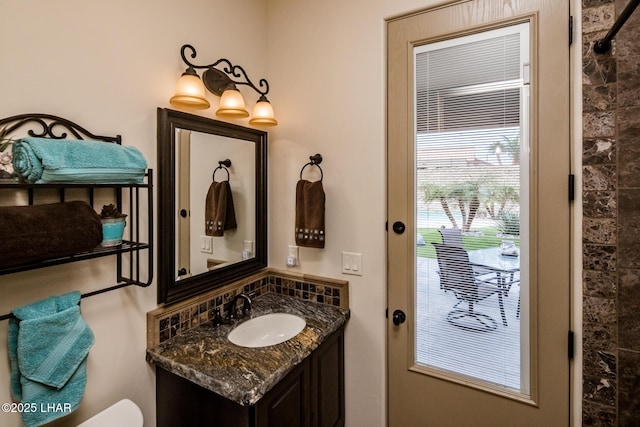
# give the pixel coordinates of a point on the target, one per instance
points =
(48, 347)
(46, 160)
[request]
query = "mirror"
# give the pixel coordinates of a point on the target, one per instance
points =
(212, 207)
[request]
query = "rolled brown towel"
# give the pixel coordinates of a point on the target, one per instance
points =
(39, 232)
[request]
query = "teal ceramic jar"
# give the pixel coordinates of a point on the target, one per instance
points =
(112, 231)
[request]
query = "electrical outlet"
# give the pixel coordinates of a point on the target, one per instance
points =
(352, 263)
(247, 251)
(293, 251)
(292, 258)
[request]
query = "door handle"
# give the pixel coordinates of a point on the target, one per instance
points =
(399, 317)
(398, 227)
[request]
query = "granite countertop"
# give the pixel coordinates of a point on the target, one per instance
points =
(205, 356)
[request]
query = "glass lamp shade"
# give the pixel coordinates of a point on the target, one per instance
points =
(232, 104)
(263, 113)
(190, 93)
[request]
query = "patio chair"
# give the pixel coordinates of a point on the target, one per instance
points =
(451, 236)
(457, 276)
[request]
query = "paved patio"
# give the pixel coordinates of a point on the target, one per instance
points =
(492, 356)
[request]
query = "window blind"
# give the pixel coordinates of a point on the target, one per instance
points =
(469, 86)
(468, 131)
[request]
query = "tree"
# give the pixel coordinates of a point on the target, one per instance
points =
(510, 146)
(497, 199)
(441, 193)
(465, 195)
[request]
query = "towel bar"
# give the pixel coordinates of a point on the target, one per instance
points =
(604, 44)
(314, 160)
(87, 295)
(222, 164)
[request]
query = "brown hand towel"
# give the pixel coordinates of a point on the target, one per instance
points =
(310, 200)
(220, 214)
(38, 232)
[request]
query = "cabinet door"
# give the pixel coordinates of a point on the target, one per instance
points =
(179, 402)
(327, 382)
(287, 404)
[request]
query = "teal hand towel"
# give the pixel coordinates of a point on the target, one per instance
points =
(48, 346)
(12, 347)
(80, 160)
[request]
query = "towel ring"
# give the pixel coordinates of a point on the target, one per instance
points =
(222, 164)
(315, 160)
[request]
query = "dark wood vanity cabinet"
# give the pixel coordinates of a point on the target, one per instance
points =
(286, 404)
(311, 395)
(327, 383)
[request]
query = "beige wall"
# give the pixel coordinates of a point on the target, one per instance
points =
(327, 70)
(108, 66)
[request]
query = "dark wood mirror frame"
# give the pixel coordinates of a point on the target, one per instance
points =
(170, 290)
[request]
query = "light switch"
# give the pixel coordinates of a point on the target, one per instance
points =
(207, 244)
(352, 263)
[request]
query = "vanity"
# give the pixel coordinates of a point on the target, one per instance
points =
(202, 378)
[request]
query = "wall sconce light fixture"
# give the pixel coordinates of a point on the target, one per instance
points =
(190, 90)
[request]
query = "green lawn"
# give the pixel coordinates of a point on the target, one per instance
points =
(470, 243)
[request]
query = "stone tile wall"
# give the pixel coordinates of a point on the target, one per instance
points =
(611, 219)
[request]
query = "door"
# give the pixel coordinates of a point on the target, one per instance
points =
(478, 142)
(183, 199)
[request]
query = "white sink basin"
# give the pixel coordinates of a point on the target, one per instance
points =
(269, 329)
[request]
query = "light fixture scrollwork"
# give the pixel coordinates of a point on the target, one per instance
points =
(190, 91)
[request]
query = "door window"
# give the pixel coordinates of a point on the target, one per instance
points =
(470, 207)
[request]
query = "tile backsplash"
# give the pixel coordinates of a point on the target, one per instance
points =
(166, 322)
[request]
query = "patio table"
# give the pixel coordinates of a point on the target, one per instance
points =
(490, 260)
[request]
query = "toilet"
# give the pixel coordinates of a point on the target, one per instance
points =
(124, 413)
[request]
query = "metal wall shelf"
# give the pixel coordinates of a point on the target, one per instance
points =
(130, 246)
(128, 254)
(135, 200)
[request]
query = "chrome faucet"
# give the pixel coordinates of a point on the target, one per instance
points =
(246, 307)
